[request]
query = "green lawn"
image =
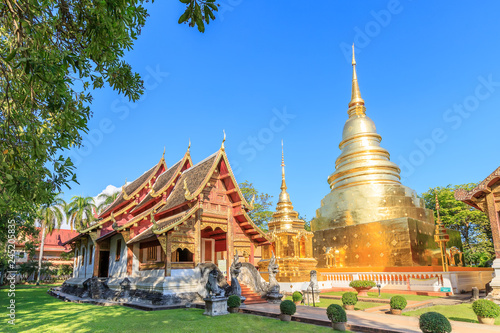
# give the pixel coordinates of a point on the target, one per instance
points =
(386, 296)
(324, 302)
(38, 312)
(460, 312)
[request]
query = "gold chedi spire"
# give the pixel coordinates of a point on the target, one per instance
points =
(362, 160)
(285, 218)
(356, 99)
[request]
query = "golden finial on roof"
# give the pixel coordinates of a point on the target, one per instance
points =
(189, 145)
(283, 183)
(163, 156)
(355, 93)
(224, 139)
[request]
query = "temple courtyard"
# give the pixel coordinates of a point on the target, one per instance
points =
(41, 312)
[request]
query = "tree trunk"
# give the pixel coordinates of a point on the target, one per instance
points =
(40, 256)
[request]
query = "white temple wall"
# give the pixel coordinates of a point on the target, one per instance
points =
(84, 269)
(117, 268)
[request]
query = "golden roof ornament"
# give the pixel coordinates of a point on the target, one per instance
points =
(189, 145)
(356, 105)
(223, 140)
(285, 218)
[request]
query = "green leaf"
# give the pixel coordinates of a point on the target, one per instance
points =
(184, 17)
(207, 14)
(11, 55)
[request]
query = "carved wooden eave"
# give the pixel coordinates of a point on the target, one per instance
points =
(474, 197)
(139, 217)
(186, 216)
(260, 233)
(107, 219)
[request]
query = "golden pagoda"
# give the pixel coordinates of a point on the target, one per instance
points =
(369, 218)
(291, 243)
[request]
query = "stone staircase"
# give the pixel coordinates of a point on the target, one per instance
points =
(251, 296)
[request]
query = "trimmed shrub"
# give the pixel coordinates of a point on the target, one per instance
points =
(233, 301)
(433, 322)
(297, 296)
(336, 314)
(485, 308)
(288, 307)
(362, 284)
(349, 298)
(398, 302)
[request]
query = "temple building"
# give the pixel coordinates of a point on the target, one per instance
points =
(165, 223)
(486, 197)
(369, 218)
(290, 242)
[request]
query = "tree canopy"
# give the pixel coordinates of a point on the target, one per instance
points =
(261, 214)
(53, 54)
(473, 225)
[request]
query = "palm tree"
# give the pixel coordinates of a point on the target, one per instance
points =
(50, 218)
(80, 212)
(108, 200)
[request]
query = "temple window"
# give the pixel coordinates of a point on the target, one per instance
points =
(90, 254)
(118, 249)
(182, 255)
(152, 253)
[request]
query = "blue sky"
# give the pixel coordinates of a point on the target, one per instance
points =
(267, 70)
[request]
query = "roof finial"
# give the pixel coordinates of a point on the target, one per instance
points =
(189, 145)
(222, 145)
(283, 183)
(355, 93)
(163, 156)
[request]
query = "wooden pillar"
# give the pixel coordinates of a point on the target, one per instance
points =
(93, 236)
(252, 254)
(197, 240)
(494, 221)
(230, 243)
(168, 255)
(166, 245)
(130, 258)
(96, 260)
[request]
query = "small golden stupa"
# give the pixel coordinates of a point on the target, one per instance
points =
(369, 218)
(291, 243)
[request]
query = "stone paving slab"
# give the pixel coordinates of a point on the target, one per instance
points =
(360, 321)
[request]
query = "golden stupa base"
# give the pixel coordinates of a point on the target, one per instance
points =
(389, 243)
(291, 269)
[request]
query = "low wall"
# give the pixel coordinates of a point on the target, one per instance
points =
(429, 280)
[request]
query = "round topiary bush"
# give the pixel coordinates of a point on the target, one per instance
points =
(485, 308)
(349, 298)
(288, 307)
(233, 301)
(336, 314)
(362, 284)
(398, 302)
(297, 296)
(433, 322)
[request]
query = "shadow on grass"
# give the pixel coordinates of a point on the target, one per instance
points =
(463, 319)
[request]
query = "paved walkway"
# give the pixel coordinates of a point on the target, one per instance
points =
(360, 321)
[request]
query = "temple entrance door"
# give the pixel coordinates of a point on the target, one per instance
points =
(208, 250)
(103, 263)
